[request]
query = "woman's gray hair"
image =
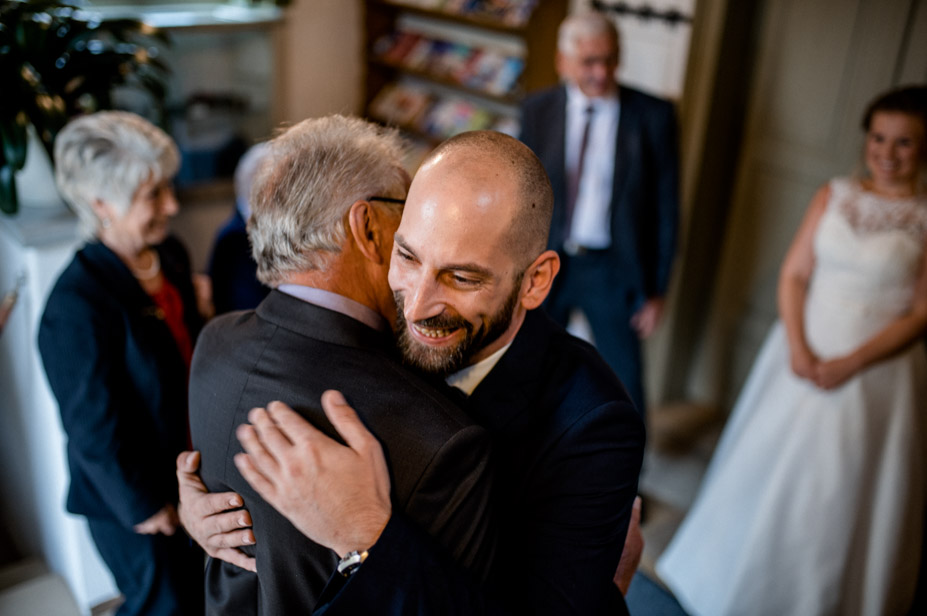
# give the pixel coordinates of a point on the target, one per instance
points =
(312, 174)
(583, 26)
(107, 156)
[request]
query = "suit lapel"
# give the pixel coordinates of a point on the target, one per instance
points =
(505, 395)
(320, 323)
(115, 276)
(145, 318)
(556, 121)
(625, 146)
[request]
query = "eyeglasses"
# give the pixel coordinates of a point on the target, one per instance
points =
(387, 200)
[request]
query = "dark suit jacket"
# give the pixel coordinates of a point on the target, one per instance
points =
(232, 269)
(292, 351)
(120, 382)
(568, 446)
(644, 203)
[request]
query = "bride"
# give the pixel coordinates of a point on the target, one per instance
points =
(813, 502)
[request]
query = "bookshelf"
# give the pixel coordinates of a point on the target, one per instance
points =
(436, 68)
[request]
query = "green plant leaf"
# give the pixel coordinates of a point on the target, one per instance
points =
(13, 136)
(8, 201)
(55, 63)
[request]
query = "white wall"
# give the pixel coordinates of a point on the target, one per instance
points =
(322, 55)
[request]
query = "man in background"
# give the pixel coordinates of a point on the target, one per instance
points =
(611, 155)
(232, 268)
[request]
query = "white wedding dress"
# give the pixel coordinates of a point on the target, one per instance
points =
(813, 501)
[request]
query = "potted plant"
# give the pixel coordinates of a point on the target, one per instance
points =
(58, 61)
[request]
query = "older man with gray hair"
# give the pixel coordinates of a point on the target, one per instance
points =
(612, 158)
(326, 203)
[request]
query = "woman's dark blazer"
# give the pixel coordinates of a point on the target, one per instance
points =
(120, 382)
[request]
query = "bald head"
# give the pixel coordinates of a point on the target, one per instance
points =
(469, 256)
(488, 157)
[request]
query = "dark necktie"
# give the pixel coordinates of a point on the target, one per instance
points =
(573, 178)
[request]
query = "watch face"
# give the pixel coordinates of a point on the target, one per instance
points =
(351, 562)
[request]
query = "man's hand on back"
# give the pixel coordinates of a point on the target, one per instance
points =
(336, 495)
(213, 520)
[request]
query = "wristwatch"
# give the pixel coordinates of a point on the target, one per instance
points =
(351, 562)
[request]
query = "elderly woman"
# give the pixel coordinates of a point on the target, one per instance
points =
(116, 340)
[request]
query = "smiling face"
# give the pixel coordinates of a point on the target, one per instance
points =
(591, 64)
(456, 286)
(146, 222)
(895, 151)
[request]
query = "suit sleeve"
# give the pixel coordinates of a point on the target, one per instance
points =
(581, 513)
(572, 541)
(527, 133)
(82, 357)
(663, 225)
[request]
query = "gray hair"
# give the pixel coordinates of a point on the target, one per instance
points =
(582, 26)
(107, 156)
(313, 173)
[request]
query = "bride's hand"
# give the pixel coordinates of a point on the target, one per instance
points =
(804, 364)
(835, 372)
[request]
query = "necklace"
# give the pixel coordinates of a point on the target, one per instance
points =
(151, 271)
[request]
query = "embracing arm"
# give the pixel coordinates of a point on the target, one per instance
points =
(793, 286)
(560, 559)
(215, 521)
(895, 337)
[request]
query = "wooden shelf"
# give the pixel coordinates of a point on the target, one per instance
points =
(478, 21)
(510, 99)
(535, 42)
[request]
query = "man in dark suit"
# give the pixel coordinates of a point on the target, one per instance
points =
(232, 268)
(323, 219)
(611, 155)
(469, 268)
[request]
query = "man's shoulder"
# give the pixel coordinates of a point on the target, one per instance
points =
(566, 370)
(644, 100)
(338, 353)
(544, 98)
(580, 367)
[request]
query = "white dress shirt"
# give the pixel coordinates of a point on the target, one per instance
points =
(591, 226)
(466, 379)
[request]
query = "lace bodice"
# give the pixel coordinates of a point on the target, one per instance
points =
(868, 253)
(867, 212)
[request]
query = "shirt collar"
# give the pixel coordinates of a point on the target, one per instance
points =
(576, 98)
(467, 379)
(336, 303)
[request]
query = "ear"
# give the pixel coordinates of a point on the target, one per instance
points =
(559, 60)
(365, 224)
(102, 209)
(538, 279)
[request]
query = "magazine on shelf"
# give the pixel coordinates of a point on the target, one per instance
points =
(400, 104)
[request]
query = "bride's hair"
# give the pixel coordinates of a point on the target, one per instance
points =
(911, 100)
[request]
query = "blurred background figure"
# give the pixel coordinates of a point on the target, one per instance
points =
(612, 158)
(116, 340)
(232, 268)
(813, 502)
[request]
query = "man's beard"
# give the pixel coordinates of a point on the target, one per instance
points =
(444, 361)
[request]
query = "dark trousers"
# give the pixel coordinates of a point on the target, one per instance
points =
(584, 283)
(158, 575)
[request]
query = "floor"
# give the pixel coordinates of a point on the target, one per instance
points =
(680, 440)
